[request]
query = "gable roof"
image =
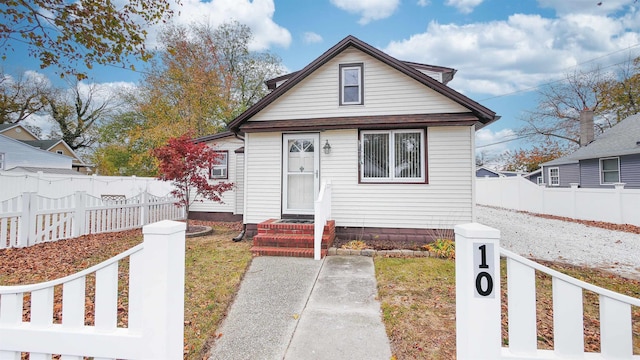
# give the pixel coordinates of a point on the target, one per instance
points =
(483, 168)
(447, 73)
(217, 136)
(51, 143)
(622, 139)
(9, 126)
(42, 144)
(483, 114)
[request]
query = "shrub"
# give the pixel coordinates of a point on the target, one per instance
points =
(355, 245)
(443, 248)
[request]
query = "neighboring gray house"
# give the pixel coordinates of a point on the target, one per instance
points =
(483, 172)
(534, 176)
(614, 157)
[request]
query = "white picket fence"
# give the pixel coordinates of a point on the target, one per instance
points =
(155, 307)
(615, 205)
(478, 306)
(30, 219)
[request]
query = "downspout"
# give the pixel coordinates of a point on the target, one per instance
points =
(244, 226)
(241, 235)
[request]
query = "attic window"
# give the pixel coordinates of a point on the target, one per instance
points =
(60, 152)
(351, 92)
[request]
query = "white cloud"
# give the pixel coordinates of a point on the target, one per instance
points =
(311, 37)
(521, 52)
(492, 145)
(464, 6)
(257, 14)
(424, 3)
(369, 10)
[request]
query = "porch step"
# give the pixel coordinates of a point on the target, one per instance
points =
(291, 240)
(278, 238)
(284, 251)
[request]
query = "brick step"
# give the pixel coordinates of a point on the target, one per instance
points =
(273, 227)
(288, 240)
(280, 251)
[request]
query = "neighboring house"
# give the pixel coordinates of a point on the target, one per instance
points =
(395, 142)
(230, 168)
(483, 172)
(534, 176)
(18, 156)
(613, 157)
(58, 146)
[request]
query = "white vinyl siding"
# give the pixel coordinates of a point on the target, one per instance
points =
(609, 170)
(263, 176)
(229, 198)
(18, 154)
(386, 92)
(447, 199)
(239, 171)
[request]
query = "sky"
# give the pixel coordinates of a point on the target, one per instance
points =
(503, 50)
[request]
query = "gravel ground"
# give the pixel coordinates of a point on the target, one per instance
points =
(568, 242)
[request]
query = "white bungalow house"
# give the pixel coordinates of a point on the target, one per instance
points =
(395, 142)
(229, 169)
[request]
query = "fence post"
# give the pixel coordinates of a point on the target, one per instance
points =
(144, 208)
(79, 214)
(574, 196)
(27, 220)
(619, 188)
(478, 321)
(163, 319)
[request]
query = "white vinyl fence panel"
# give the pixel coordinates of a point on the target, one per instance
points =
(616, 205)
(155, 307)
(31, 219)
(479, 306)
(13, 184)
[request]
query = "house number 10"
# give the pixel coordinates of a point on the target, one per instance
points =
(483, 267)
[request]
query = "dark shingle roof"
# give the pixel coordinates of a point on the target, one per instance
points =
(42, 144)
(622, 139)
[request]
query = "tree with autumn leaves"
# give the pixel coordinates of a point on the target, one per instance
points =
(200, 80)
(187, 164)
(529, 160)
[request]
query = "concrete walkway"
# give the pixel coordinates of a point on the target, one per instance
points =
(296, 308)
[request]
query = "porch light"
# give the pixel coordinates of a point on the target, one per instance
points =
(327, 147)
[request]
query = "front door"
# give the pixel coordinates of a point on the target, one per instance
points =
(300, 173)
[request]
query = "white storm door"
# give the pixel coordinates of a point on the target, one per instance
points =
(300, 175)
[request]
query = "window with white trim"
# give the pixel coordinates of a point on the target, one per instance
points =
(392, 156)
(539, 180)
(554, 176)
(610, 170)
(219, 170)
(351, 92)
(1, 161)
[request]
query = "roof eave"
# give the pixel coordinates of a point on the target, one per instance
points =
(484, 115)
